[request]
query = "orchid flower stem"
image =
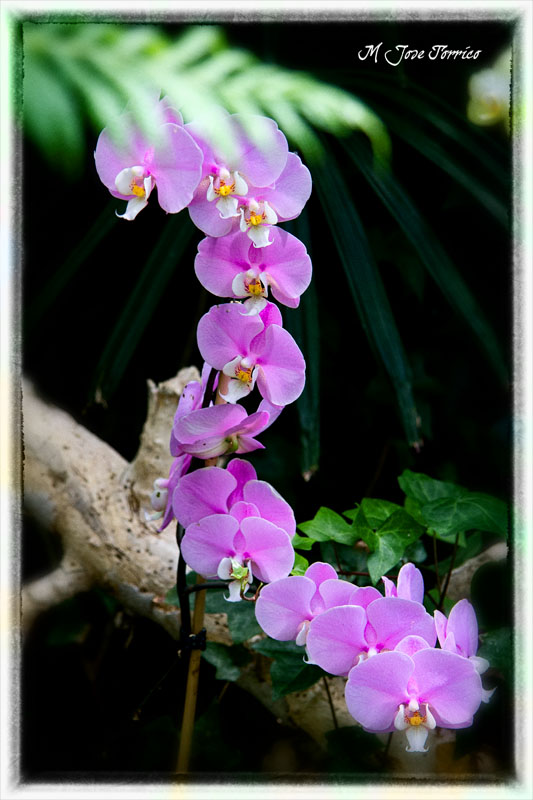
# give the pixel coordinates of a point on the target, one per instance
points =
(336, 724)
(449, 575)
(198, 587)
(181, 586)
(209, 388)
(191, 692)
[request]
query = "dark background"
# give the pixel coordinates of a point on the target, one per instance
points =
(87, 664)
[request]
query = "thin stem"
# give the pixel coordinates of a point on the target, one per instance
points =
(449, 575)
(198, 587)
(336, 724)
(193, 676)
(209, 388)
(181, 585)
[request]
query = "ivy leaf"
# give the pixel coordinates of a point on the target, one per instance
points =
(377, 511)
(452, 515)
(289, 672)
(227, 660)
(424, 489)
(300, 565)
(241, 621)
(328, 525)
(302, 542)
(397, 532)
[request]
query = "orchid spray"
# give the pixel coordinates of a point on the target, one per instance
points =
(233, 529)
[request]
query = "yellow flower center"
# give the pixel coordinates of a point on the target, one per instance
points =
(244, 375)
(225, 188)
(255, 219)
(254, 287)
(416, 720)
(137, 190)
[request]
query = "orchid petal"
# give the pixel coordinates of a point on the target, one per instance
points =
(283, 605)
(202, 493)
(291, 191)
(281, 375)
(208, 541)
(394, 618)
(271, 505)
(336, 638)
(376, 688)
(269, 547)
(449, 684)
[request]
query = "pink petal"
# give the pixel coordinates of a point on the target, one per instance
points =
(283, 605)
(202, 422)
(177, 168)
(291, 191)
(462, 623)
(336, 592)
(393, 618)
(208, 541)
(219, 260)
(243, 472)
(281, 377)
(441, 624)
(411, 644)
(269, 549)
(261, 162)
(376, 688)
(202, 493)
(364, 595)
(241, 510)
(224, 333)
(319, 572)
(206, 216)
(410, 584)
(449, 683)
(271, 505)
(110, 158)
(271, 315)
(287, 264)
(336, 638)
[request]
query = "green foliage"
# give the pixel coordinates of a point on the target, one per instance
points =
(98, 69)
(449, 509)
(300, 565)
(497, 648)
(288, 671)
(301, 542)
(228, 661)
(328, 525)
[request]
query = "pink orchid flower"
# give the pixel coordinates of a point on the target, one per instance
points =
(414, 693)
(410, 584)
(231, 267)
(238, 548)
(285, 608)
(254, 187)
(459, 634)
(252, 348)
(224, 429)
(171, 162)
(345, 635)
(161, 497)
(212, 490)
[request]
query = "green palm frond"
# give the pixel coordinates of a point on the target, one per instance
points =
(102, 68)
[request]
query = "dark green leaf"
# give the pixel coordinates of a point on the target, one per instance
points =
(300, 565)
(363, 529)
(497, 648)
(431, 606)
(424, 489)
(377, 511)
(227, 660)
(289, 672)
(397, 532)
(430, 251)
(327, 525)
(451, 515)
(367, 287)
(241, 621)
(349, 558)
(302, 542)
(52, 116)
